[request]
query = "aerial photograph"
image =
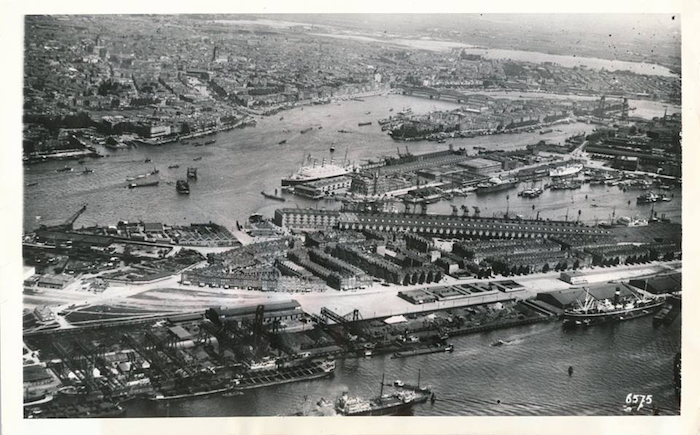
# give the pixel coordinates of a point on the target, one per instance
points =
(229, 215)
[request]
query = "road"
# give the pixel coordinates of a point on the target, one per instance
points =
(377, 301)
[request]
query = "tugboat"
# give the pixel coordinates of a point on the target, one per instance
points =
(593, 312)
(282, 142)
(192, 173)
(397, 403)
(182, 186)
(173, 166)
(196, 159)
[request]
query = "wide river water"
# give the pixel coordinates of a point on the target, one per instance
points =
(528, 376)
(242, 163)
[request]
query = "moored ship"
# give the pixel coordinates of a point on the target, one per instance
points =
(566, 171)
(316, 172)
(495, 185)
(593, 312)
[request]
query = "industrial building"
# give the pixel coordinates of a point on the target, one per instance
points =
(481, 166)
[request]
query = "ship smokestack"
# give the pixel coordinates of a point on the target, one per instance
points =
(616, 300)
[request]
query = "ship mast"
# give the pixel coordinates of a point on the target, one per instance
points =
(381, 388)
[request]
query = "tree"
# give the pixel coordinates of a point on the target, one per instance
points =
(545, 268)
(577, 264)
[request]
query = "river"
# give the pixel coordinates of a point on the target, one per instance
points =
(234, 170)
(566, 61)
(528, 376)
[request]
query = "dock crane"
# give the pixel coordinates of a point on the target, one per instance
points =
(68, 224)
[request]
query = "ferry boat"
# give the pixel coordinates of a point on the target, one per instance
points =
(593, 312)
(397, 403)
(316, 172)
(495, 185)
(566, 171)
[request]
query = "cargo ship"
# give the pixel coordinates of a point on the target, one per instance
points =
(182, 186)
(438, 348)
(594, 312)
(495, 185)
(566, 171)
(267, 373)
(314, 172)
(397, 403)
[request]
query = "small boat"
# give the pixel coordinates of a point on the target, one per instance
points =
(500, 343)
(274, 196)
(343, 131)
(86, 171)
(32, 184)
(152, 183)
(182, 186)
(147, 161)
(282, 142)
(391, 110)
(362, 124)
(198, 144)
(232, 394)
(367, 113)
(65, 169)
(571, 370)
(173, 166)
(209, 142)
(306, 130)
(196, 159)
(281, 118)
